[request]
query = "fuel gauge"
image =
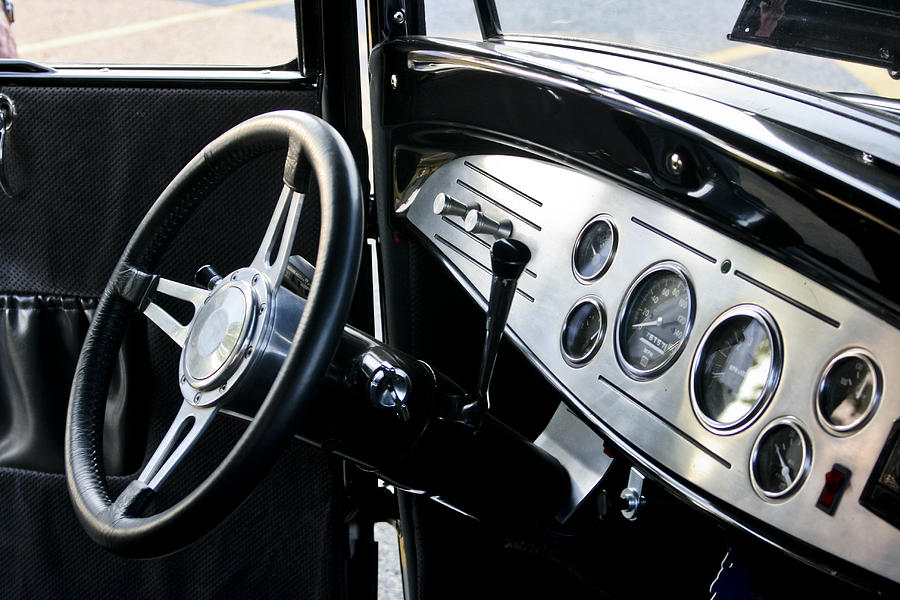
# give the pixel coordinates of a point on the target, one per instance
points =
(780, 459)
(848, 392)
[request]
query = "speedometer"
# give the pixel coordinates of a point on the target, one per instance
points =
(655, 320)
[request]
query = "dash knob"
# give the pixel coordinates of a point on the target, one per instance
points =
(451, 207)
(477, 222)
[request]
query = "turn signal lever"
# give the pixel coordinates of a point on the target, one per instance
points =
(508, 260)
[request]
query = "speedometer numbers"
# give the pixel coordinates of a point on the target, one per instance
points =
(655, 320)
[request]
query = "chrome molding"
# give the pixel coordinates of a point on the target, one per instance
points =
(654, 420)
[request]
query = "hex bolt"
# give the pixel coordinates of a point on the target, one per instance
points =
(400, 17)
(222, 389)
(183, 379)
(674, 164)
(197, 397)
(867, 158)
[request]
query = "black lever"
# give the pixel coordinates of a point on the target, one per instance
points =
(508, 260)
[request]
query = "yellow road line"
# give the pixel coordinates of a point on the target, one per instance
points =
(733, 53)
(875, 78)
(102, 34)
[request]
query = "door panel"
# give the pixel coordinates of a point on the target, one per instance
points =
(86, 161)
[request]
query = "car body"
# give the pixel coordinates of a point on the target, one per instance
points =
(677, 378)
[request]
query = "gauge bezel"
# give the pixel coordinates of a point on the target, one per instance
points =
(612, 253)
(581, 361)
(800, 479)
(762, 316)
(845, 430)
(625, 305)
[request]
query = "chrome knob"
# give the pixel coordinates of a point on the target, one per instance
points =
(451, 207)
(477, 222)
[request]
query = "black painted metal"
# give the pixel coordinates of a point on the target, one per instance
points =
(488, 18)
(533, 111)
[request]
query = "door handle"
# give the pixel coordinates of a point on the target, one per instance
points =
(7, 116)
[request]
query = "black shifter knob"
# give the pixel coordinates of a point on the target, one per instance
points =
(508, 260)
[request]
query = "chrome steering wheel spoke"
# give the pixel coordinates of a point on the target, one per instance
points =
(272, 257)
(162, 319)
(189, 424)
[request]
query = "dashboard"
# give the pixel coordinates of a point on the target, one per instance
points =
(726, 374)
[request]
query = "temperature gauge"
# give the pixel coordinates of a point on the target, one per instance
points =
(594, 249)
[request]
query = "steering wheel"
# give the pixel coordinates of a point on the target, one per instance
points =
(247, 333)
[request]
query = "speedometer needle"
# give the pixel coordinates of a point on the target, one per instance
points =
(657, 323)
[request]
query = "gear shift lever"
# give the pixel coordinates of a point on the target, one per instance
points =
(508, 260)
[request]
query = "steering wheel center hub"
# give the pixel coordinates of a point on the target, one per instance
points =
(216, 340)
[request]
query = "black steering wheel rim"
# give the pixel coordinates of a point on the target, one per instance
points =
(117, 525)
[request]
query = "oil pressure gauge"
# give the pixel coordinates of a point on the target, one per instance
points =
(780, 459)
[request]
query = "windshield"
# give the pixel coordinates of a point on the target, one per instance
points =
(710, 30)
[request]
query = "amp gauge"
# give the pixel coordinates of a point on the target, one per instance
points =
(849, 392)
(780, 459)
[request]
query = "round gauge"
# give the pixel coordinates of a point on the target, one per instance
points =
(594, 248)
(736, 369)
(780, 459)
(848, 392)
(655, 320)
(583, 331)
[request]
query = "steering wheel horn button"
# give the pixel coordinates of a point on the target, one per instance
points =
(217, 337)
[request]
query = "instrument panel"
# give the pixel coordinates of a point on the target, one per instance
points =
(728, 375)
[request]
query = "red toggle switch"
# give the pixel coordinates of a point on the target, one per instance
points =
(836, 481)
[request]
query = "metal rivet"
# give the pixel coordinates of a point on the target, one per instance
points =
(248, 352)
(400, 17)
(885, 53)
(867, 158)
(262, 308)
(255, 279)
(674, 164)
(393, 82)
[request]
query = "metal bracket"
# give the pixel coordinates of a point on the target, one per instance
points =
(632, 500)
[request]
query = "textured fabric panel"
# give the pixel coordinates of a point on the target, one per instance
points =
(40, 337)
(86, 163)
(279, 544)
